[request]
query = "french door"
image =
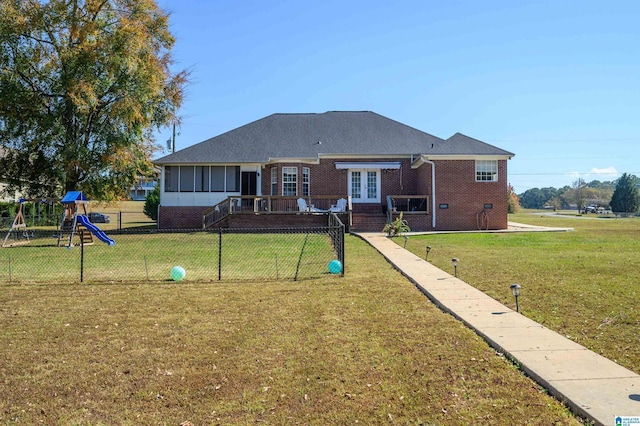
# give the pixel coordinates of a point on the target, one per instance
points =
(364, 185)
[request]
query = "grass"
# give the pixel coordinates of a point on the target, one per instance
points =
(122, 215)
(139, 257)
(582, 284)
(128, 212)
(368, 348)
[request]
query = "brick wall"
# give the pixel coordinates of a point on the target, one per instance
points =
(456, 186)
(416, 221)
(325, 179)
(276, 220)
(174, 217)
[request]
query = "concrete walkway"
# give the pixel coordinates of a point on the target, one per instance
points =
(594, 387)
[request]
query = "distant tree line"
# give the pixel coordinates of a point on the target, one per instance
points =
(620, 195)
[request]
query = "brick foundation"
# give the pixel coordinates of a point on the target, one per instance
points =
(174, 217)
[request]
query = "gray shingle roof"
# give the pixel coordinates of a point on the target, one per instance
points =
(309, 136)
(460, 144)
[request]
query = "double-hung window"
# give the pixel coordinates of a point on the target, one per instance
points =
(306, 181)
(274, 180)
(486, 170)
(290, 181)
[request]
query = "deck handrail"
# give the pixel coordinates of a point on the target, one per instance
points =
(267, 204)
(407, 203)
(215, 214)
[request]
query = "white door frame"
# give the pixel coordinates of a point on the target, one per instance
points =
(363, 193)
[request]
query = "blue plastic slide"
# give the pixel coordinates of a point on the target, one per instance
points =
(84, 221)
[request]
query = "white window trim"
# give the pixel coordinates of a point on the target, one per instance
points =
(293, 171)
(485, 167)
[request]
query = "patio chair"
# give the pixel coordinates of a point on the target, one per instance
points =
(341, 206)
(304, 207)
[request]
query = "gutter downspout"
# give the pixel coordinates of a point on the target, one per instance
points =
(433, 191)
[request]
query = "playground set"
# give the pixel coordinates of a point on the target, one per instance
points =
(74, 223)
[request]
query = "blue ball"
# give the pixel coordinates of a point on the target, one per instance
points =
(335, 266)
(178, 273)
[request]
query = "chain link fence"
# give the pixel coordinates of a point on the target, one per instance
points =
(107, 220)
(48, 256)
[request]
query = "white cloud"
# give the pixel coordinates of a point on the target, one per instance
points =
(574, 175)
(608, 173)
(602, 174)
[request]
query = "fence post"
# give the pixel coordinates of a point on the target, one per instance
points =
(120, 220)
(81, 255)
(300, 257)
(220, 253)
(341, 230)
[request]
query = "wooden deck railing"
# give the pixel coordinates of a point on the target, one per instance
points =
(272, 204)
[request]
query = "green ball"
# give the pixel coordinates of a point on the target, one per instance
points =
(178, 273)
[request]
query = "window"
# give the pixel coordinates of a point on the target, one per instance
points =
(217, 178)
(274, 180)
(225, 178)
(171, 178)
(186, 178)
(202, 179)
(233, 178)
(486, 170)
(290, 181)
(306, 173)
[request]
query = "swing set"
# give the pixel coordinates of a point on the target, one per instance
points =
(18, 229)
(18, 233)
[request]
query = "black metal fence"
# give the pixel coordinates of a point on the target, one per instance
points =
(46, 256)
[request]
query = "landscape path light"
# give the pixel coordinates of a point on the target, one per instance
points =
(426, 256)
(515, 290)
(455, 262)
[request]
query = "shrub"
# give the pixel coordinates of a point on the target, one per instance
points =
(151, 204)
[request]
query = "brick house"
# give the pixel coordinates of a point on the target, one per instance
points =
(289, 169)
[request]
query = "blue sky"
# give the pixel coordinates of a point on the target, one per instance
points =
(555, 82)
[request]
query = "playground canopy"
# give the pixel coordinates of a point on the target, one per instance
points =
(74, 197)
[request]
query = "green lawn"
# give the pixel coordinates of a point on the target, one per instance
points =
(150, 256)
(582, 284)
(368, 348)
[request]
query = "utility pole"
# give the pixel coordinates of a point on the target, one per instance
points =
(173, 143)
